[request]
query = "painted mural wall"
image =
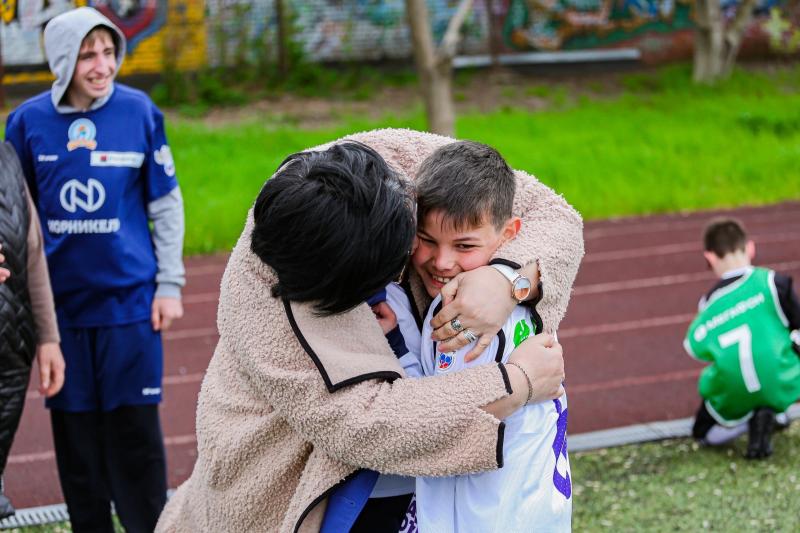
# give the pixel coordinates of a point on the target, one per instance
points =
(150, 26)
(191, 33)
(660, 29)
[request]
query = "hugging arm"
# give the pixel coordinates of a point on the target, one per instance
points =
(428, 426)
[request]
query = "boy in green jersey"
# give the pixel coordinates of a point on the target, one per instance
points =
(747, 328)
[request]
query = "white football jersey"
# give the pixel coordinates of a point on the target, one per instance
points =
(393, 484)
(533, 490)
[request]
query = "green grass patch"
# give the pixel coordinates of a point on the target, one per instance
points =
(676, 485)
(661, 145)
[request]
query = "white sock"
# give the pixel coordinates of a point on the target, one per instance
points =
(721, 434)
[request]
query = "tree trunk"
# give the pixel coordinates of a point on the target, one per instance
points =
(495, 38)
(441, 111)
(435, 67)
(283, 44)
(715, 45)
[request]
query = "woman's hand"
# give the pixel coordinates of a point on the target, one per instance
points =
(481, 300)
(542, 359)
(539, 359)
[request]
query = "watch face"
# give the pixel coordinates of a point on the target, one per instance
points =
(522, 289)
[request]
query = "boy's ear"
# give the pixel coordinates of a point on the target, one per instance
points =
(711, 259)
(750, 250)
(511, 228)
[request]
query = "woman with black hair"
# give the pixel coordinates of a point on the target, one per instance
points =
(303, 391)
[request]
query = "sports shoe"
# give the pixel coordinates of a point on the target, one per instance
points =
(782, 421)
(6, 509)
(761, 426)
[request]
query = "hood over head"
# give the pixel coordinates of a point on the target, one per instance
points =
(63, 36)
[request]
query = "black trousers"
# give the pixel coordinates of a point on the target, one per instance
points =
(111, 456)
(703, 422)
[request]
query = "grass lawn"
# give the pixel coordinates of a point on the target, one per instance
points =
(656, 144)
(676, 486)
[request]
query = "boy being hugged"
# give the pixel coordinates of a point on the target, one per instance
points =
(465, 192)
(744, 329)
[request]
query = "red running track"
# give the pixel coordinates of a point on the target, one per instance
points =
(634, 297)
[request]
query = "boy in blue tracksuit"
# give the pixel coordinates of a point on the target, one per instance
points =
(100, 170)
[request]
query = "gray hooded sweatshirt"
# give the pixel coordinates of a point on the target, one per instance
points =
(63, 36)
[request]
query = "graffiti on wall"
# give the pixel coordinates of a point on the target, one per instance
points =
(221, 31)
(335, 30)
(577, 24)
(142, 21)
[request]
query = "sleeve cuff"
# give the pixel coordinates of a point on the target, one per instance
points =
(168, 290)
(397, 342)
(506, 380)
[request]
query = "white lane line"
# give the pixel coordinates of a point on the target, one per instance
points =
(628, 325)
(665, 429)
(193, 333)
(200, 298)
(677, 248)
(205, 270)
(27, 458)
(638, 433)
(565, 333)
(638, 225)
(177, 379)
(662, 281)
(634, 381)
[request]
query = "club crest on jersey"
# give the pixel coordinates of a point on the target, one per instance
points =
(163, 156)
(444, 361)
(81, 134)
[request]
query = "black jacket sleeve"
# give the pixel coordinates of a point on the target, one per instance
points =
(788, 300)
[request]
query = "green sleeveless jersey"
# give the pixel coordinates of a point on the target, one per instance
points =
(743, 332)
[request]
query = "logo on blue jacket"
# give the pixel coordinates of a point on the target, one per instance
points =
(444, 361)
(81, 134)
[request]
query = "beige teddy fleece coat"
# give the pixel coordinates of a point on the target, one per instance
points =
(292, 404)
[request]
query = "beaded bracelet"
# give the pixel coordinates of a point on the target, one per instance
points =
(527, 378)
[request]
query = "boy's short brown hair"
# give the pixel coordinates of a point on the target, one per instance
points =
(470, 182)
(724, 235)
(95, 32)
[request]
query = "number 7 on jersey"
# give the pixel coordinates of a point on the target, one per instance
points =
(744, 339)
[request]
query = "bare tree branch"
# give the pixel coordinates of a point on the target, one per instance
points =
(744, 13)
(449, 46)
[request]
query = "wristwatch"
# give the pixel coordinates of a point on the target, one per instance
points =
(520, 285)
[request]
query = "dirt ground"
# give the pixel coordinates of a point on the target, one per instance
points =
(533, 88)
(482, 91)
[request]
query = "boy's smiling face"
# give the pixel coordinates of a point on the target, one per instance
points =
(444, 251)
(94, 70)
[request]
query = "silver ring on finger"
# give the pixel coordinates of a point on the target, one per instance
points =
(456, 325)
(471, 337)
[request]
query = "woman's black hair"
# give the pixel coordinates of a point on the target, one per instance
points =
(335, 225)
